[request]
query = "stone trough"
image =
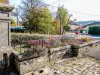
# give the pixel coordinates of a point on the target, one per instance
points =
(24, 66)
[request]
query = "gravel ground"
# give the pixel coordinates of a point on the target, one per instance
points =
(71, 66)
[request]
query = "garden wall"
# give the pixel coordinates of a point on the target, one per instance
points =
(31, 64)
(87, 47)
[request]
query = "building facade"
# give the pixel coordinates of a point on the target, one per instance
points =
(73, 25)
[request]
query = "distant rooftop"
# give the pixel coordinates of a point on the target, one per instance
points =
(92, 24)
(83, 23)
(72, 23)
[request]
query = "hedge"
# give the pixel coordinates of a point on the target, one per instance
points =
(95, 30)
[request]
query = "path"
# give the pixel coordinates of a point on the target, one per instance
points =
(72, 66)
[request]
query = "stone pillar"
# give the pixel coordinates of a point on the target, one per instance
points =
(5, 18)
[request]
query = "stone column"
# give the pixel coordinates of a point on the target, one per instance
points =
(5, 18)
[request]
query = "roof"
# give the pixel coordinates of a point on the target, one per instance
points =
(85, 22)
(79, 28)
(72, 23)
(92, 24)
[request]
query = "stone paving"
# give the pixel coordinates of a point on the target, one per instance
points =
(72, 66)
(83, 66)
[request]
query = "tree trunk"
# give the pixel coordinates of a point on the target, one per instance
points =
(17, 21)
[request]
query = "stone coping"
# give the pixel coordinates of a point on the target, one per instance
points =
(3, 18)
(59, 48)
(20, 58)
(89, 43)
(81, 45)
(6, 7)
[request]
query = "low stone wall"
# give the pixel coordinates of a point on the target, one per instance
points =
(32, 64)
(85, 48)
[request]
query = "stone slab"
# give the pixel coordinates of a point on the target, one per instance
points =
(95, 52)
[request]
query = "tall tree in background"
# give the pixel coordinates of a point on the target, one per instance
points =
(13, 22)
(16, 14)
(29, 14)
(36, 17)
(56, 24)
(44, 20)
(62, 14)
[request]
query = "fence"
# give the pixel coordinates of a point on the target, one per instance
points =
(33, 46)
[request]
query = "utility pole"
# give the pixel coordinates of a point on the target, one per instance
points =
(60, 23)
(60, 27)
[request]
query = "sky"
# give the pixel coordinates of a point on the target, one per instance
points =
(82, 10)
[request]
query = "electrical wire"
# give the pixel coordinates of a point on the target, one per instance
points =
(51, 5)
(78, 12)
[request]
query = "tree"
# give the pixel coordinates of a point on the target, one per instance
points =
(29, 14)
(13, 22)
(16, 14)
(56, 24)
(62, 14)
(44, 21)
(37, 17)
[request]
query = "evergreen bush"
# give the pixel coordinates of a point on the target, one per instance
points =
(95, 30)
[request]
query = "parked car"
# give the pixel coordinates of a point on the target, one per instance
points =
(17, 29)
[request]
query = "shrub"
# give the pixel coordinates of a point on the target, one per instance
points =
(94, 30)
(17, 39)
(85, 39)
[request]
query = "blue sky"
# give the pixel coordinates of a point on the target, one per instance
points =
(90, 7)
(15, 2)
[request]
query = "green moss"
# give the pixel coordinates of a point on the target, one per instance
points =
(6, 8)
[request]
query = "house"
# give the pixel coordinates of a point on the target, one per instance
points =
(73, 25)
